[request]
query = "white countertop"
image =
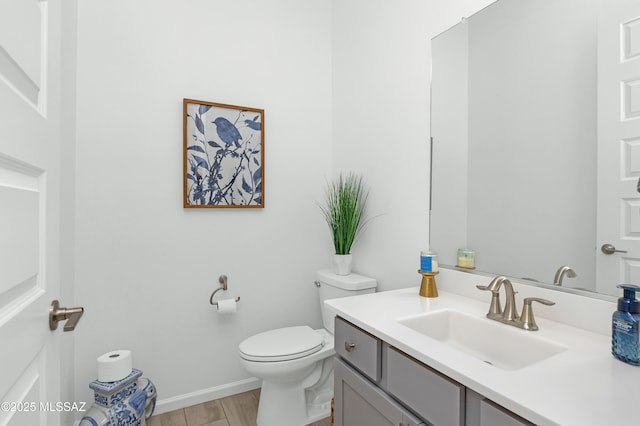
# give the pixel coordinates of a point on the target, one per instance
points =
(584, 385)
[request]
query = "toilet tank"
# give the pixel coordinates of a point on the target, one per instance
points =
(332, 286)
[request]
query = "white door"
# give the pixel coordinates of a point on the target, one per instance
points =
(29, 210)
(618, 144)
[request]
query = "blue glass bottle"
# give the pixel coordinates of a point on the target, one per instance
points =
(625, 336)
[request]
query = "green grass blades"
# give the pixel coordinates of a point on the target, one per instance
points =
(344, 208)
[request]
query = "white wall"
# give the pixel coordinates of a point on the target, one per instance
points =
(145, 267)
(344, 85)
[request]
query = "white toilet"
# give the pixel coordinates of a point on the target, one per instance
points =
(296, 363)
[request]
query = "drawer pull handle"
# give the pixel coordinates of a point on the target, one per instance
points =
(349, 346)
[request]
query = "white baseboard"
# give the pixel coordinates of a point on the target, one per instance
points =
(204, 395)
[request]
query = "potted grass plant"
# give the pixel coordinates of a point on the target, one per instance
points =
(343, 209)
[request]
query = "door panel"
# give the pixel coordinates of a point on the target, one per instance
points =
(29, 209)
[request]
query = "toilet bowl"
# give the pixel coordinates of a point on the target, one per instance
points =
(296, 363)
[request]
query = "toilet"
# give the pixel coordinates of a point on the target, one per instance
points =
(296, 363)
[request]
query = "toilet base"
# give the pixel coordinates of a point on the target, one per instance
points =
(286, 405)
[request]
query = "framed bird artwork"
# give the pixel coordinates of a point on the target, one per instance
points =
(223, 155)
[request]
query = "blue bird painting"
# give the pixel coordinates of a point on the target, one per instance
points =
(227, 132)
(253, 124)
(223, 155)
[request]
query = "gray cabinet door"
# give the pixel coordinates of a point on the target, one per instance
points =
(433, 396)
(483, 412)
(358, 402)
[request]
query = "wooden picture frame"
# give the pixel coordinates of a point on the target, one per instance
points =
(223, 155)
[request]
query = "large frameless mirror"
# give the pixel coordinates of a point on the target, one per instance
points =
(534, 162)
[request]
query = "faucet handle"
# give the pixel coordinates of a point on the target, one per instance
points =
(527, 318)
(495, 309)
(528, 300)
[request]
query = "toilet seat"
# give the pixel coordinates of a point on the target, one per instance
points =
(282, 344)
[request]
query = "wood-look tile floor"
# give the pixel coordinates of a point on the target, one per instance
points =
(235, 410)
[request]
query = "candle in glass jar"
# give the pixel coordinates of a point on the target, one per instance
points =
(428, 261)
(466, 258)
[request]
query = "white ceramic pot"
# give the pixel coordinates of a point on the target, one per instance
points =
(342, 264)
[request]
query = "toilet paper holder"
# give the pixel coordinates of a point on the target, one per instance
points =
(223, 286)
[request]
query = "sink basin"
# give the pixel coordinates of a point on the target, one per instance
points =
(500, 345)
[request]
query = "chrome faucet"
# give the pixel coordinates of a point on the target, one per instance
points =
(561, 272)
(510, 315)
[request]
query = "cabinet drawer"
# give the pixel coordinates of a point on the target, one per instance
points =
(359, 348)
(435, 398)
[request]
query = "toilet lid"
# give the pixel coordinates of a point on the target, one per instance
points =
(281, 344)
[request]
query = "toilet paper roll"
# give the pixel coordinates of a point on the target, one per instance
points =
(227, 306)
(114, 366)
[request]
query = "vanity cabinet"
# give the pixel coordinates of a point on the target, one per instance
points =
(379, 385)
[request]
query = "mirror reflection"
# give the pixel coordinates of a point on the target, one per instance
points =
(522, 100)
